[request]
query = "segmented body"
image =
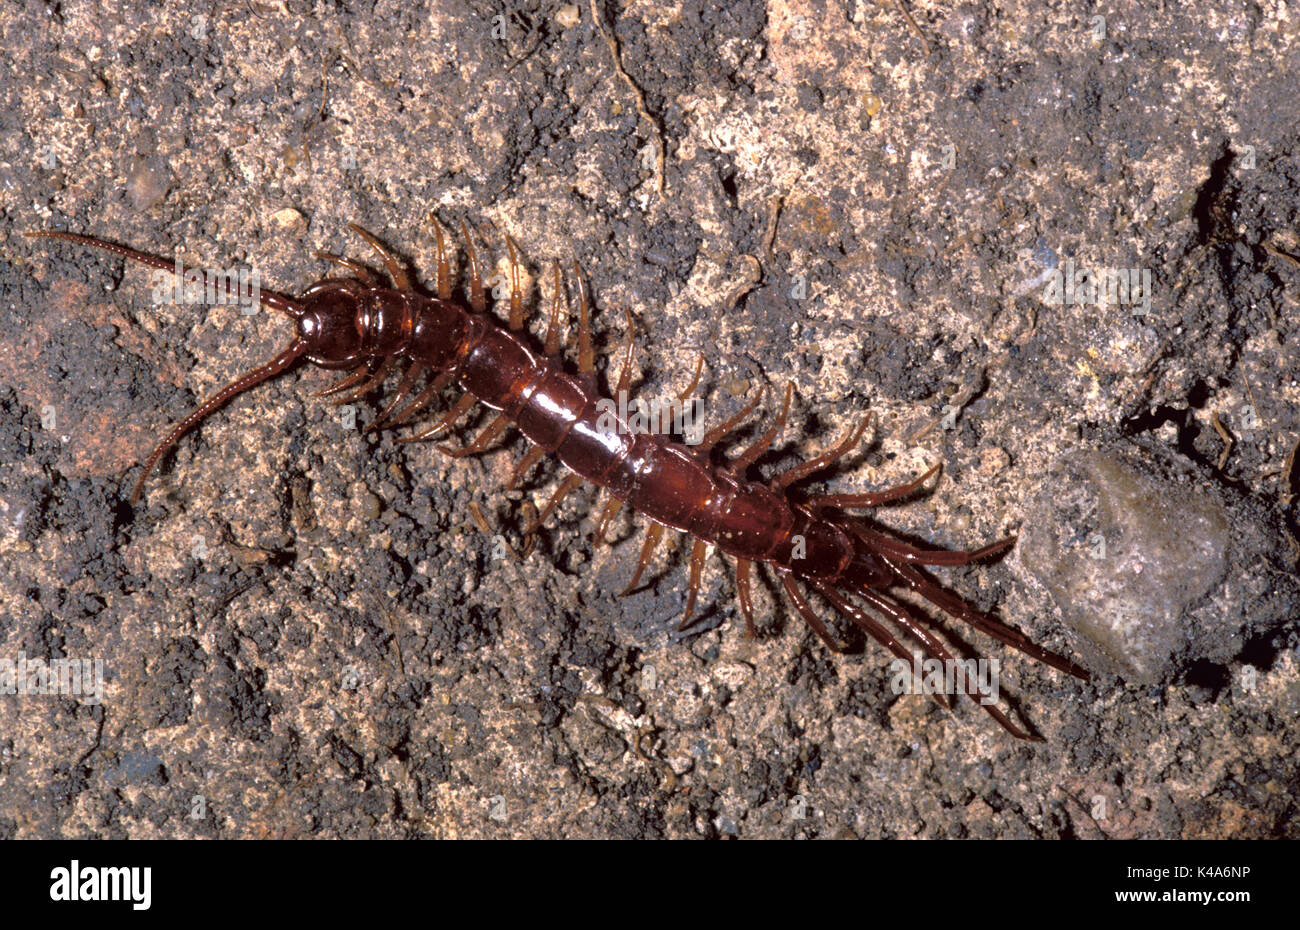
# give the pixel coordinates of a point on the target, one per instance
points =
(809, 540)
(562, 413)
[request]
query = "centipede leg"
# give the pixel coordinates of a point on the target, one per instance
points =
(370, 384)
(745, 596)
(695, 380)
(879, 633)
(534, 455)
(752, 454)
(861, 620)
(856, 614)
(901, 550)
(586, 356)
(825, 460)
(871, 499)
(356, 377)
(625, 375)
(553, 336)
(367, 276)
(484, 439)
(444, 266)
(423, 399)
(461, 408)
(960, 610)
(476, 298)
(567, 486)
(715, 435)
(516, 293)
(394, 267)
(612, 507)
(934, 649)
(403, 388)
(653, 534)
(809, 616)
(698, 551)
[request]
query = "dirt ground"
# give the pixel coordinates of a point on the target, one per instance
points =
(304, 633)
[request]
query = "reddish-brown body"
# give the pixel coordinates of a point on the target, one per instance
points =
(356, 324)
(558, 411)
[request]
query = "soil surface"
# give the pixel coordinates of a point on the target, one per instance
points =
(902, 208)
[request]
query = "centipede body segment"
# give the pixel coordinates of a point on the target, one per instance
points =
(363, 325)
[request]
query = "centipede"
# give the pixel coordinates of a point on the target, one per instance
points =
(366, 323)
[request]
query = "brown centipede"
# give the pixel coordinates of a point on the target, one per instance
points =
(809, 541)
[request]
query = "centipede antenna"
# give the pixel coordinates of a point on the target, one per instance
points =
(275, 366)
(272, 300)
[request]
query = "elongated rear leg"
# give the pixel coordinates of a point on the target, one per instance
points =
(809, 615)
(933, 649)
(898, 549)
(957, 608)
(872, 627)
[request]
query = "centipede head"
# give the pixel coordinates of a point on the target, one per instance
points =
(332, 324)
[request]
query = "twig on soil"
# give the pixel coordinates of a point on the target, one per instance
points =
(657, 133)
